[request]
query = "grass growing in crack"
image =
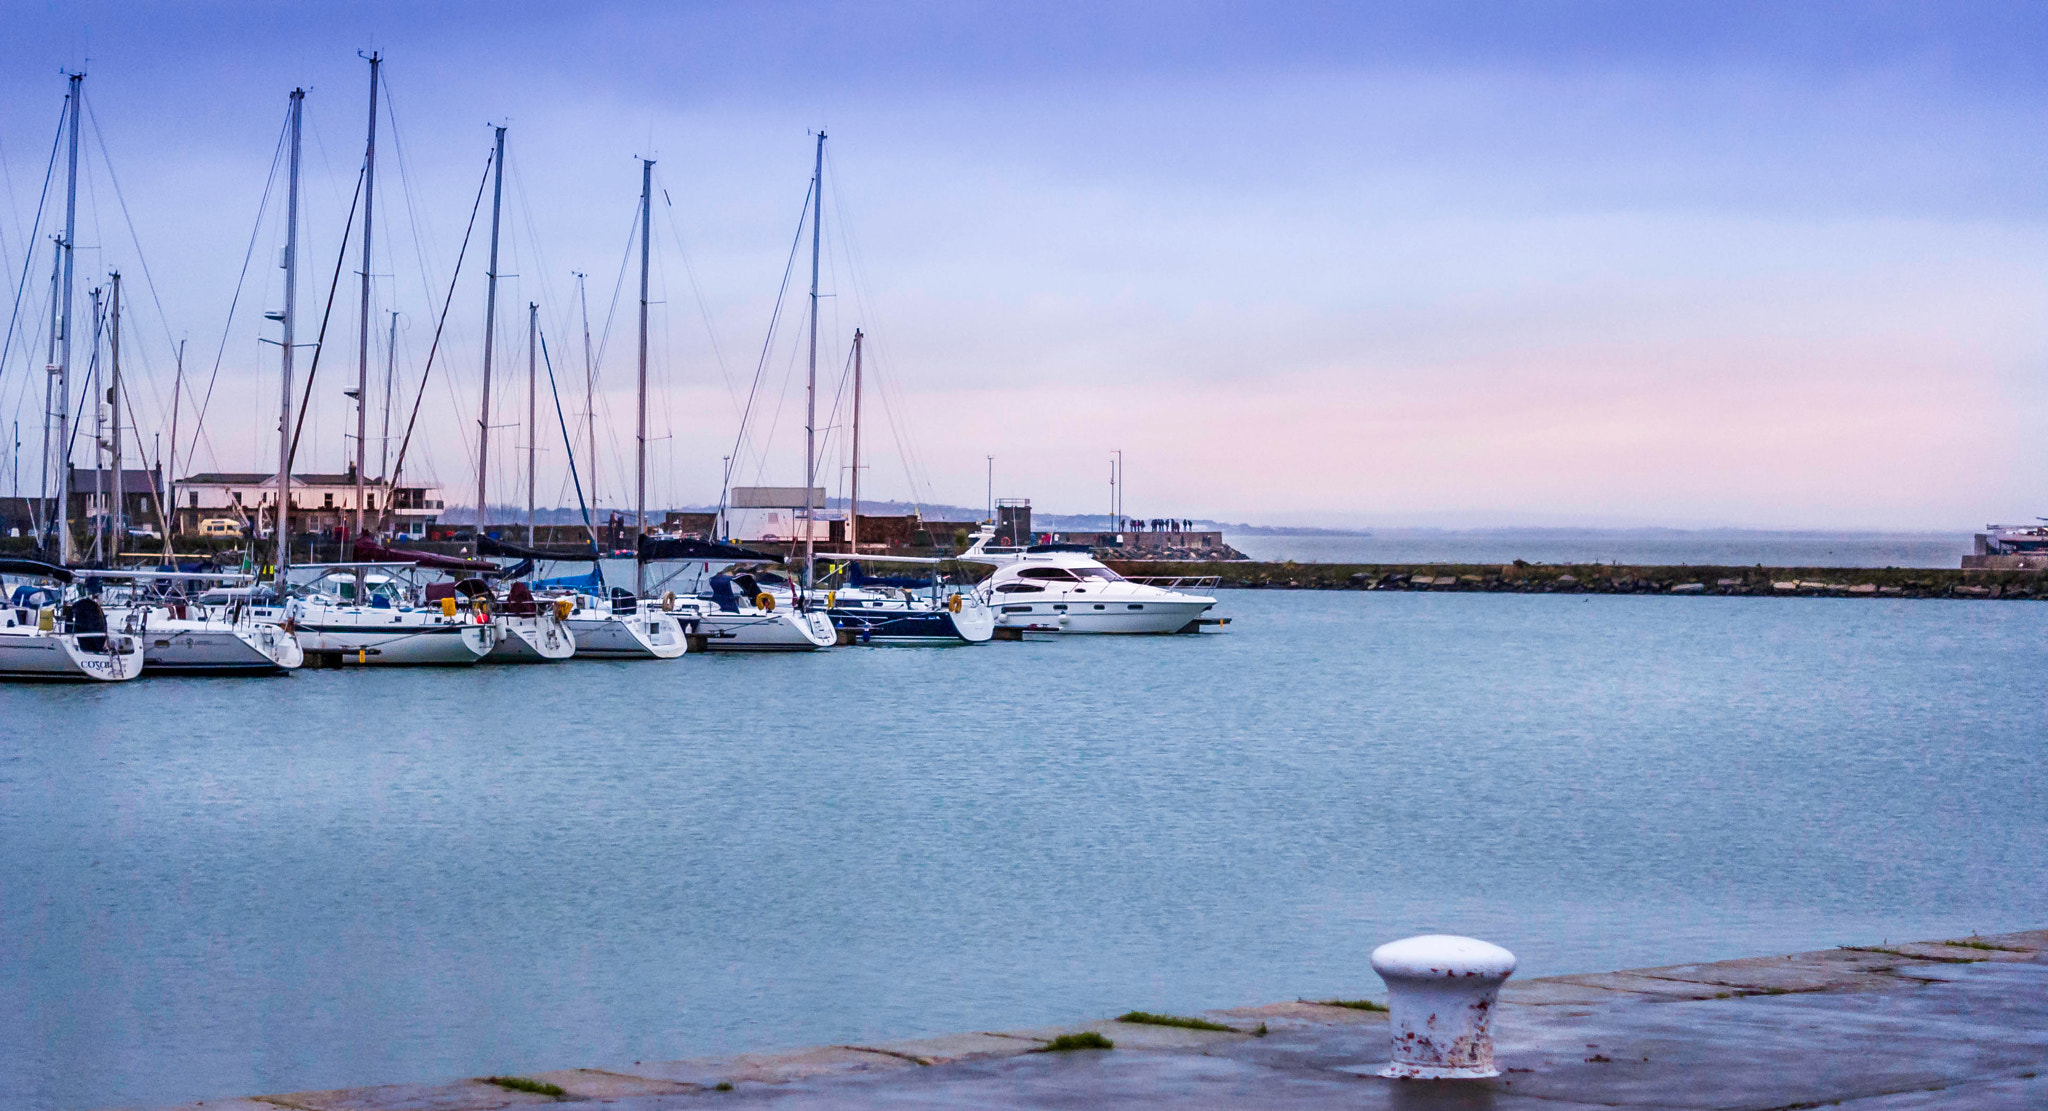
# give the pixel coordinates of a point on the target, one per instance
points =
(1086, 1039)
(524, 1084)
(1147, 1018)
(1973, 943)
(1261, 1031)
(1352, 1004)
(722, 1086)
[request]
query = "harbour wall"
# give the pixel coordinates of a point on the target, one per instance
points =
(1842, 582)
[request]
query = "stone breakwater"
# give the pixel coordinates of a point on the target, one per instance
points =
(1601, 578)
(1957, 1022)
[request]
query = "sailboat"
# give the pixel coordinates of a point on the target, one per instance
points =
(199, 623)
(866, 610)
(60, 631)
(732, 622)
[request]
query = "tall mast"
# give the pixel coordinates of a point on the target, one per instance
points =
(117, 523)
(532, 413)
(811, 389)
(168, 507)
(376, 60)
(384, 441)
(640, 457)
(94, 378)
(589, 390)
(44, 511)
(65, 551)
(291, 304)
(483, 421)
(853, 509)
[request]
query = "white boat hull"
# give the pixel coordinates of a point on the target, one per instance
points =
(218, 649)
(776, 631)
(32, 654)
(642, 636)
(531, 640)
(1112, 617)
(370, 637)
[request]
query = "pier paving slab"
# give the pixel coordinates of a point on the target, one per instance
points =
(1851, 1028)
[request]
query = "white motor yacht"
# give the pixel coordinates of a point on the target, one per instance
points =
(386, 627)
(60, 633)
(1048, 586)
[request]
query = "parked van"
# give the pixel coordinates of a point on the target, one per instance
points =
(221, 526)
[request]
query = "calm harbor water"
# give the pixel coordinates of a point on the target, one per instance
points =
(222, 887)
(1660, 547)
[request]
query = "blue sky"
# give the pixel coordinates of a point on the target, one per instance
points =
(1463, 264)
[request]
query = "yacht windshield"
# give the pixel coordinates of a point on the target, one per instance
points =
(1054, 574)
(1102, 573)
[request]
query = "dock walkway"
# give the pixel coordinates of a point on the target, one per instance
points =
(1961, 1023)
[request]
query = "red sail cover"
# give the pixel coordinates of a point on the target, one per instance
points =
(369, 551)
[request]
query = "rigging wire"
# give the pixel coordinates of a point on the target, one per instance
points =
(327, 314)
(21, 290)
(767, 345)
(199, 423)
(398, 466)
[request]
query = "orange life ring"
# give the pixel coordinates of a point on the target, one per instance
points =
(765, 602)
(953, 603)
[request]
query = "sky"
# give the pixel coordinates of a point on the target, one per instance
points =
(1592, 264)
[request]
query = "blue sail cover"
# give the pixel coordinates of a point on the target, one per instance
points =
(590, 582)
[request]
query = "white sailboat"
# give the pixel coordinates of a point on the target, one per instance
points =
(59, 632)
(200, 623)
(391, 623)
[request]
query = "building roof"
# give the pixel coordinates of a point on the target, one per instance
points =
(132, 480)
(248, 478)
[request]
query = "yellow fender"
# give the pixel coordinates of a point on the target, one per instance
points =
(831, 599)
(447, 607)
(563, 608)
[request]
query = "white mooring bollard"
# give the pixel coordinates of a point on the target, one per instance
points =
(1440, 996)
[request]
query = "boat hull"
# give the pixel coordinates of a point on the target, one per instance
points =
(360, 641)
(974, 624)
(1115, 617)
(766, 632)
(531, 640)
(199, 650)
(59, 657)
(644, 636)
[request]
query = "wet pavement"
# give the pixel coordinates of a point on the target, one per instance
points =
(1959, 1023)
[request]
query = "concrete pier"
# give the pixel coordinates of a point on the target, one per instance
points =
(1937, 1024)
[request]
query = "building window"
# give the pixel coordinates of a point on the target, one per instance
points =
(195, 499)
(330, 502)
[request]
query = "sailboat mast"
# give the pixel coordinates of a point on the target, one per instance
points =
(532, 414)
(853, 508)
(291, 304)
(44, 514)
(376, 60)
(483, 421)
(95, 375)
(167, 510)
(640, 458)
(384, 440)
(811, 389)
(65, 550)
(589, 389)
(117, 523)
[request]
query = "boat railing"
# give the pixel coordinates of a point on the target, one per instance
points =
(1177, 582)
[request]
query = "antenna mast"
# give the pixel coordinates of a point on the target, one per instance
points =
(117, 522)
(532, 414)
